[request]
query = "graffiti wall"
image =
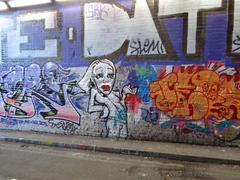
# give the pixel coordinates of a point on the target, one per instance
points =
(138, 69)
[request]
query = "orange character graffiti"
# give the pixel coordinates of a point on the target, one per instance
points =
(198, 93)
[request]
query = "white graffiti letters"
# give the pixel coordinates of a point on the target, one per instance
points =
(108, 26)
(16, 39)
(110, 29)
(236, 28)
(172, 7)
(102, 24)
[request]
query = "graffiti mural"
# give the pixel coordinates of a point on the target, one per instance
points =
(55, 92)
(99, 82)
(234, 28)
(152, 70)
(21, 84)
(100, 14)
(198, 93)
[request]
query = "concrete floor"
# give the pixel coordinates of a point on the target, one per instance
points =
(29, 162)
(174, 149)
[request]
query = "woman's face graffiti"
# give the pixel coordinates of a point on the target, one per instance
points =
(32, 76)
(104, 78)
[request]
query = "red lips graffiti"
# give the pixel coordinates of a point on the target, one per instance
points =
(106, 87)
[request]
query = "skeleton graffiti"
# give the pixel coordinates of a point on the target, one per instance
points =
(20, 84)
(55, 94)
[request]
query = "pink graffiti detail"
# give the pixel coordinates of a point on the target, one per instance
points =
(2, 109)
(16, 104)
(26, 107)
(66, 112)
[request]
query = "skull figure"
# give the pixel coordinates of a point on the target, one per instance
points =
(53, 74)
(32, 76)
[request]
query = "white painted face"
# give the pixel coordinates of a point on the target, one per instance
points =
(104, 78)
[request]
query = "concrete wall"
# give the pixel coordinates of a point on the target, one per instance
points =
(156, 70)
